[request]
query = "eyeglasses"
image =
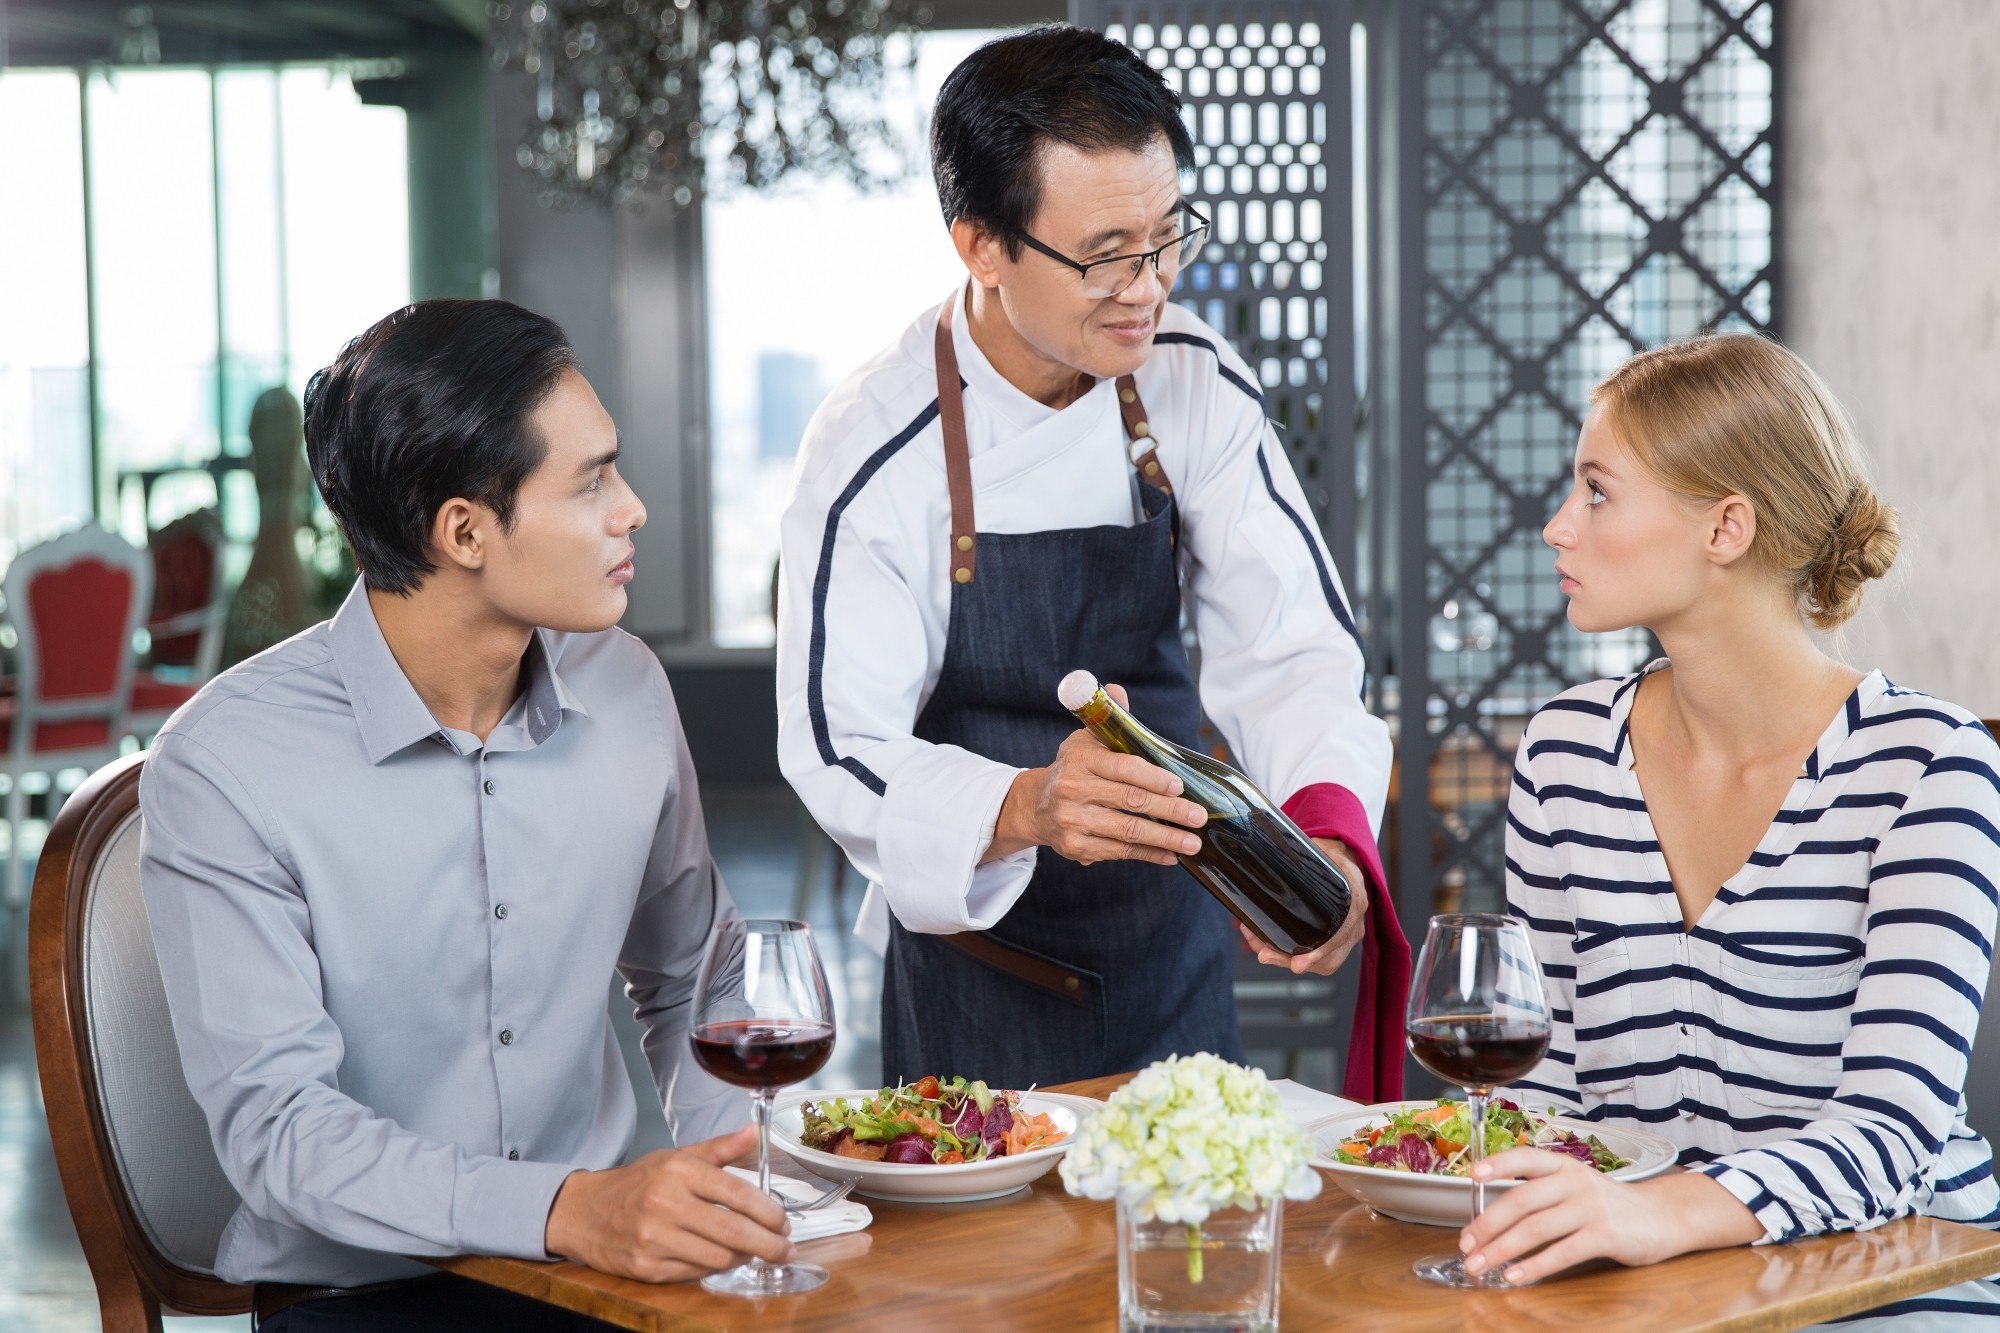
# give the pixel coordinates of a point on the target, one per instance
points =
(1105, 278)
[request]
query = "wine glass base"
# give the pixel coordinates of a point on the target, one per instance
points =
(765, 1280)
(1448, 1270)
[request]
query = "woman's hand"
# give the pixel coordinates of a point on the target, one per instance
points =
(1094, 804)
(1326, 959)
(1577, 1212)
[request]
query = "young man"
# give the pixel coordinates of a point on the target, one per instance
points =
(392, 862)
(1028, 482)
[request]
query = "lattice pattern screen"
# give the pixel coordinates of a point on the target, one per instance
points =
(1266, 90)
(1267, 94)
(1578, 179)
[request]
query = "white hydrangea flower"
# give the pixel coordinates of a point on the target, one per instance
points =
(1187, 1136)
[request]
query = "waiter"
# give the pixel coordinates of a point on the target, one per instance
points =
(1030, 480)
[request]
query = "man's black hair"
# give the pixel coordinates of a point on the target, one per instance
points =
(430, 403)
(1051, 84)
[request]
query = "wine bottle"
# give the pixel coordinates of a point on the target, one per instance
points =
(1254, 859)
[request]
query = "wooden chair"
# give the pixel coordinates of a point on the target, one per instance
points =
(145, 1189)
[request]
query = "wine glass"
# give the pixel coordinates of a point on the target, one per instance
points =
(1477, 1018)
(762, 1018)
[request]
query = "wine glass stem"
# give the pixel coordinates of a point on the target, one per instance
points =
(1475, 1100)
(760, 1104)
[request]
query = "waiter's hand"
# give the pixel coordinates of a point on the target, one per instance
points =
(1094, 804)
(1326, 959)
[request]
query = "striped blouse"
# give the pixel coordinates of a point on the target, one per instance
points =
(1805, 1042)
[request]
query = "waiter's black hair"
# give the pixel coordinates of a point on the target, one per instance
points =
(429, 404)
(1050, 84)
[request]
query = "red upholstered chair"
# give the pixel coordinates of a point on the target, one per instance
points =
(74, 603)
(186, 619)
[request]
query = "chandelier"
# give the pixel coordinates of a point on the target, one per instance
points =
(634, 99)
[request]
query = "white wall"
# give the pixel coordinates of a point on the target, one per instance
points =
(1892, 289)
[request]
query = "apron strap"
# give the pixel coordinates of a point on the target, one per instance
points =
(958, 454)
(1139, 430)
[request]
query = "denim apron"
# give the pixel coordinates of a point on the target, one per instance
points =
(1096, 969)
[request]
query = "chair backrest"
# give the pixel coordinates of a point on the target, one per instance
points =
(187, 578)
(74, 602)
(148, 1196)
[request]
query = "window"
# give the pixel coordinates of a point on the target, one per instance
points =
(804, 283)
(44, 334)
(200, 236)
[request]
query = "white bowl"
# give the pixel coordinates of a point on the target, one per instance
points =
(1446, 1201)
(917, 1182)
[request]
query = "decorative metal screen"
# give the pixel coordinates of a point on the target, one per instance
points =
(1574, 180)
(1550, 185)
(1266, 92)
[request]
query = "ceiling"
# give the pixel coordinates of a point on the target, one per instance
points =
(204, 32)
(200, 32)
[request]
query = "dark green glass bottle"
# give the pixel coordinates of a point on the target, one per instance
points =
(1253, 858)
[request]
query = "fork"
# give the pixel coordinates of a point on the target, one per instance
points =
(834, 1195)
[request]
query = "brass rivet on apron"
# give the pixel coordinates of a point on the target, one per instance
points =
(1152, 468)
(1142, 429)
(962, 575)
(965, 543)
(1127, 396)
(1072, 985)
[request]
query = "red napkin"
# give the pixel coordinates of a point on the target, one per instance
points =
(1375, 1046)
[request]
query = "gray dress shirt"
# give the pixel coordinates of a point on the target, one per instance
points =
(386, 945)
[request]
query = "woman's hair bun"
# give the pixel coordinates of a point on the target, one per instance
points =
(1860, 546)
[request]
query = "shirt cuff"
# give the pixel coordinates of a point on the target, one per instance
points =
(937, 821)
(1778, 1222)
(502, 1207)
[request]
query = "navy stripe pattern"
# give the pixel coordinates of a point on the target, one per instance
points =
(823, 579)
(1805, 1042)
(1328, 589)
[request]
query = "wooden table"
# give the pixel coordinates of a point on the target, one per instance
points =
(1046, 1263)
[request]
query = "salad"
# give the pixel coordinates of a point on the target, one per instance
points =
(1434, 1140)
(929, 1122)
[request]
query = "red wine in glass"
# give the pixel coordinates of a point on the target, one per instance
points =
(756, 1053)
(762, 1018)
(1478, 1051)
(1478, 1018)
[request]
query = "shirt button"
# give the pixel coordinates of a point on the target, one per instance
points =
(513, 1154)
(506, 1036)
(500, 910)
(489, 786)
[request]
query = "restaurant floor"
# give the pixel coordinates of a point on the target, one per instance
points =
(759, 836)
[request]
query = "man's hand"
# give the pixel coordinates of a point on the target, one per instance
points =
(669, 1216)
(1326, 959)
(1094, 804)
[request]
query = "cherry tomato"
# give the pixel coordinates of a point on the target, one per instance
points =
(927, 1086)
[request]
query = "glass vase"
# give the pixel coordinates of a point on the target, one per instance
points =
(1220, 1274)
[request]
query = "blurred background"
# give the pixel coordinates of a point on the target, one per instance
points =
(1438, 223)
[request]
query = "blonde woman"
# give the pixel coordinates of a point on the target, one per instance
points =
(1761, 883)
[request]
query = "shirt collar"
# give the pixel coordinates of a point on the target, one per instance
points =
(1019, 410)
(387, 708)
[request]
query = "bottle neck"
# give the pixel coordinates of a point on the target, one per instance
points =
(1118, 729)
